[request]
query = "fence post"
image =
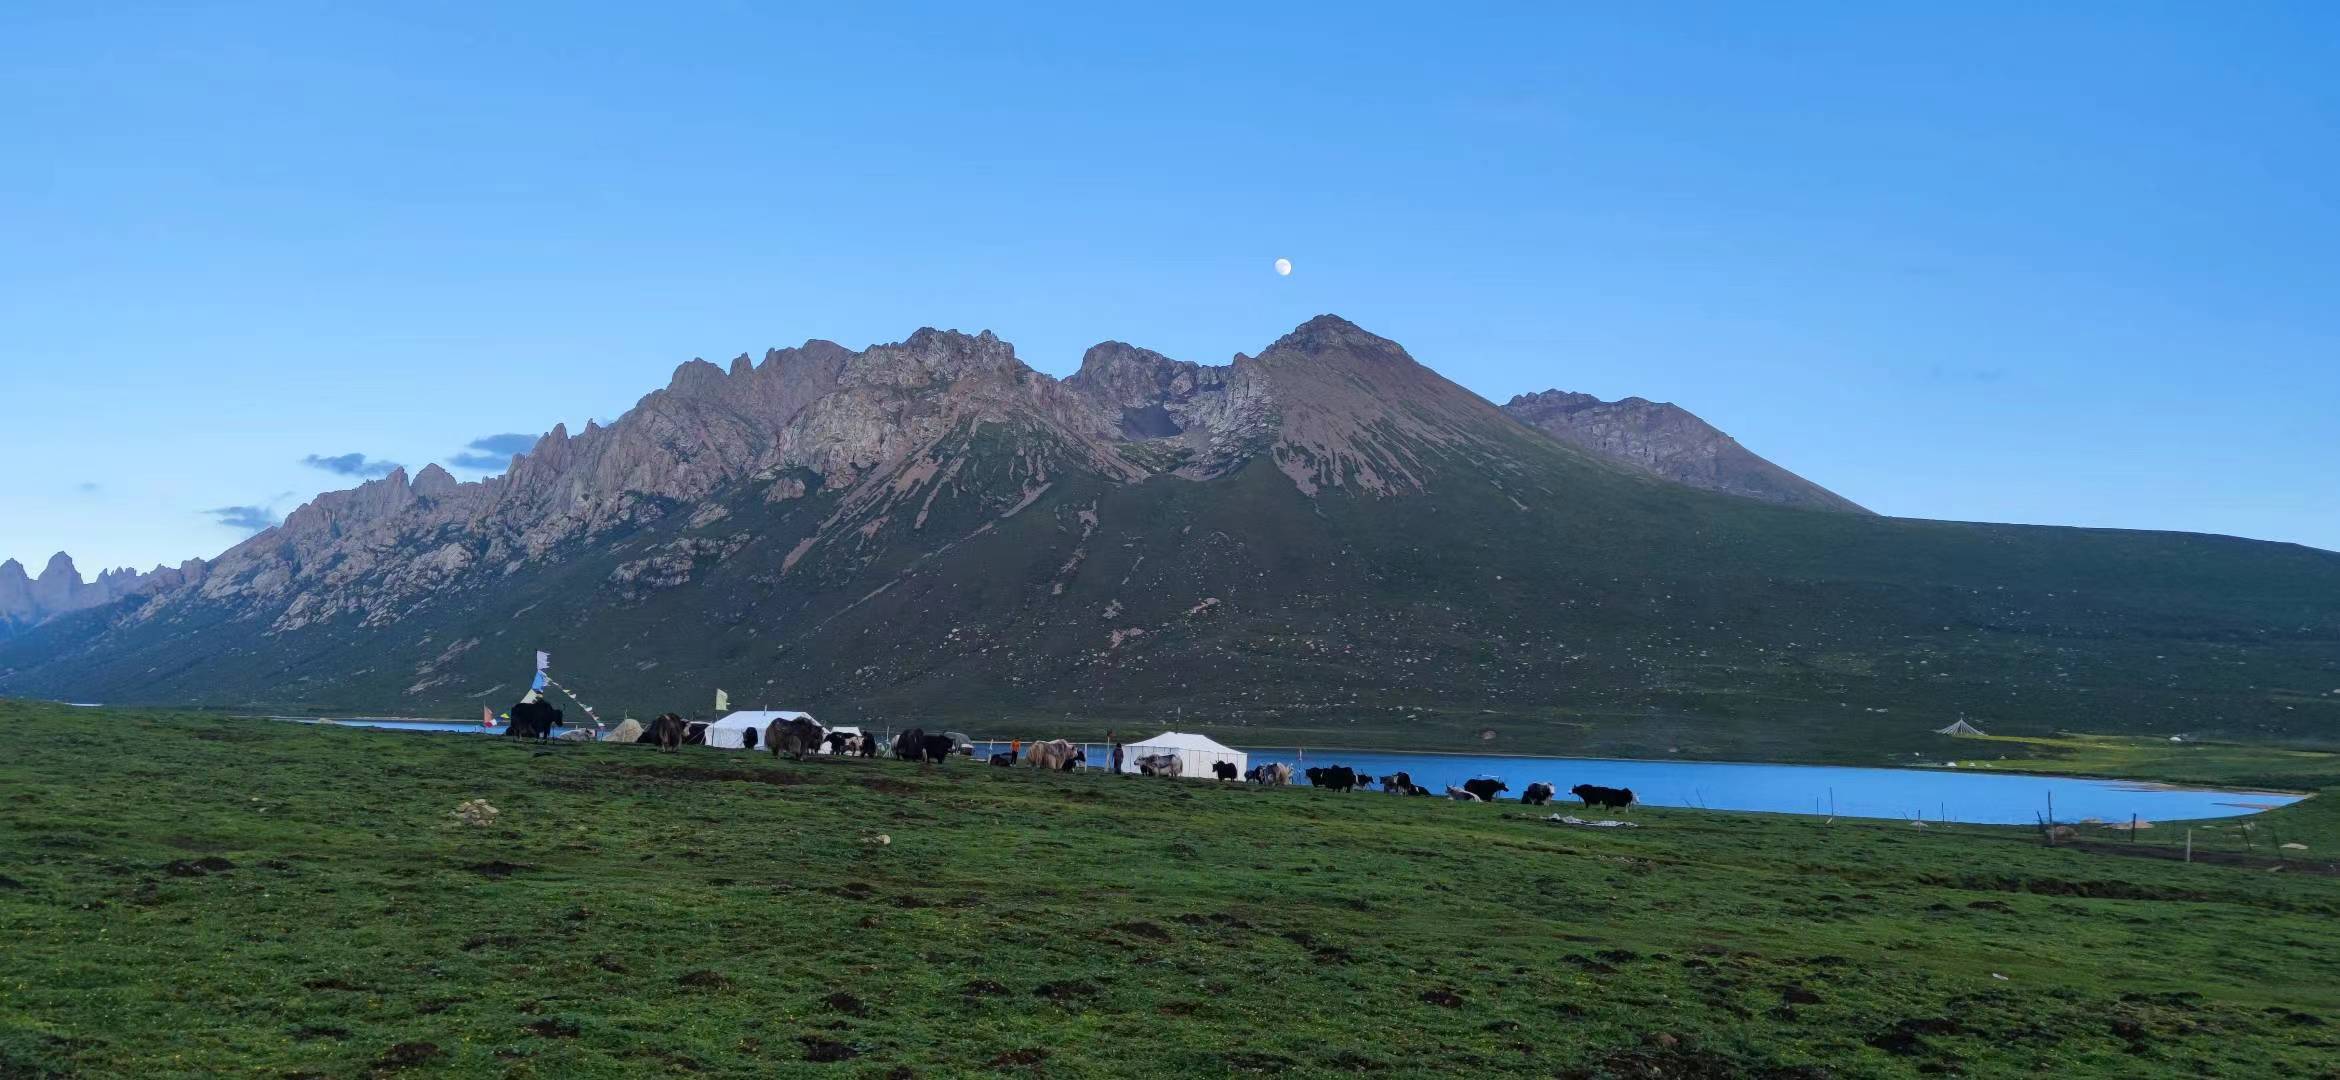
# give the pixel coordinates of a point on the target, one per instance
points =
(2189, 845)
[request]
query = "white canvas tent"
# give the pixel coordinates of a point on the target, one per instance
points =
(725, 732)
(1959, 728)
(1195, 753)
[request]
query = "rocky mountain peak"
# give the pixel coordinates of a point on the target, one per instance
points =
(60, 568)
(1331, 335)
(27, 601)
(434, 482)
(697, 376)
(1668, 441)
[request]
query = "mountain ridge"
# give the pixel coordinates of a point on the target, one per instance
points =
(1325, 532)
(1670, 442)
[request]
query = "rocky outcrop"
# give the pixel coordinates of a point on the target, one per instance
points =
(1668, 441)
(1211, 419)
(27, 601)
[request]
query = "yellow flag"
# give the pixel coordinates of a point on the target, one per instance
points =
(722, 701)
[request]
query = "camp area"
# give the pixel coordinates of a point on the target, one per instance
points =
(1195, 753)
(730, 732)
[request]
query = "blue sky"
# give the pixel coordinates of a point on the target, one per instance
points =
(2074, 266)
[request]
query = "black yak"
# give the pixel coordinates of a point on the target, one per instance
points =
(916, 745)
(1336, 777)
(1537, 794)
(534, 720)
(1608, 797)
(1485, 787)
(1224, 770)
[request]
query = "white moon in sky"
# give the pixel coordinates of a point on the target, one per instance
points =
(1283, 268)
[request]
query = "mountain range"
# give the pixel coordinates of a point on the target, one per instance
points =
(1325, 540)
(26, 601)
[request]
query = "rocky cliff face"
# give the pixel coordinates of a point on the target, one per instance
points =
(888, 429)
(1671, 442)
(27, 601)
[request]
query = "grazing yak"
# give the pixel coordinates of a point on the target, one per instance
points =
(1002, 759)
(533, 720)
(1058, 755)
(1397, 783)
(916, 745)
(795, 738)
(1336, 777)
(666, 732)
(869, 744)
(747, 739)
(1224, 770)
(1537, 794)
(1459, 795)
(837, 742)
(1485, 787)
(1275, 775)
(1160, 765)
(1608, 797)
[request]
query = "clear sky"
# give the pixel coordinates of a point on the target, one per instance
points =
(2075, 266)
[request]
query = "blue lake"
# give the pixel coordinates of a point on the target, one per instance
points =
(1980, 796)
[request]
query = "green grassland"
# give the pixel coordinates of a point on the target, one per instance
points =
(188, 895)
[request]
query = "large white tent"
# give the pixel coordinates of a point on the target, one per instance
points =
(1195, 753)
(725, 733)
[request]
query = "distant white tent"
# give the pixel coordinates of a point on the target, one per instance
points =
(1959, 728)
(725, 733)
(1195, 754)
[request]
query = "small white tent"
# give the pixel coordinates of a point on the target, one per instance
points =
(1959, 728)
(725, 733)
(1195, 754)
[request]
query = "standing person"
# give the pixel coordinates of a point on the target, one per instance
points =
(1015, 749)
(1116, 759)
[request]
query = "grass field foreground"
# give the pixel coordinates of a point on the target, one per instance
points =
(188, 896)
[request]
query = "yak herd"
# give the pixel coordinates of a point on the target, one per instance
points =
(802, 736)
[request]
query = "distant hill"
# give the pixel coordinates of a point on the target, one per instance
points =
(1670, 442)
(1319, 542)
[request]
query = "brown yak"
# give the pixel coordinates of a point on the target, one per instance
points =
(1060, 755)
(666, 732)
(796, 738)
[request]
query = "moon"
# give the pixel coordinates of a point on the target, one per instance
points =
(1283, 268)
